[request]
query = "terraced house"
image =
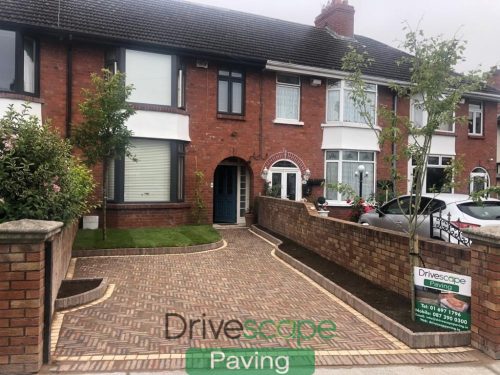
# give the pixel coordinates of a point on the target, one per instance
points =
(242, 98)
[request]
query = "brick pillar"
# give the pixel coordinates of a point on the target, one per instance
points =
(485, 273)
(22, 277)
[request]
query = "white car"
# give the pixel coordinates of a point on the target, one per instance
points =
(435, 210)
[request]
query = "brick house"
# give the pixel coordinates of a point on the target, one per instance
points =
(242, 98)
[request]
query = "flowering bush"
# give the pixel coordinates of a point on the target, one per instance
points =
(359, 207)
(39, 177)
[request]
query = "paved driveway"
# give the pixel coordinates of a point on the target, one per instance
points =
(125, 330)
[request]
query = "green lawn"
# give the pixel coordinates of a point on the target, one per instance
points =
(146, 237)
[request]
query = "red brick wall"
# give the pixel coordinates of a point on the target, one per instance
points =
(22, 278)
(474, 151)
(137, 216)
(378, 255)
(485, 331)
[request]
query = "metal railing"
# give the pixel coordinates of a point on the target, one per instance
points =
(449, 229)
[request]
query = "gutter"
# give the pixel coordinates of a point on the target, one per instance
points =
(340, 74)
(69, 88)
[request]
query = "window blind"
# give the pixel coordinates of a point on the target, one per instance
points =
(148, 179)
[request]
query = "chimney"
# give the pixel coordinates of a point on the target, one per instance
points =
(494, 79)
(338, 16)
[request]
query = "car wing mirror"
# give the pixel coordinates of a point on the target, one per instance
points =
(380, 213)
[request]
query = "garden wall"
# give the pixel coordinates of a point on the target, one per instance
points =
(378, 255)
(24, 245)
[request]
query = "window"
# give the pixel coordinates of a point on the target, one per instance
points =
(231, 92)
(475, 118)
(479, 180)
(288, 97)
(18, 71)
(437, 178)
(342, 167)
(151, 75)
(156, 176)
(420, 117)
(341, 106)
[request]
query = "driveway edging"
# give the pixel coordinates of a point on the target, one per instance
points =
(417, 340)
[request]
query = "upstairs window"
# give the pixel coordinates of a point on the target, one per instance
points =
(475, 118)
(341, 106)
(287, 97)
(151, 75)
(18, 63)
(231, 92)
(420, 117)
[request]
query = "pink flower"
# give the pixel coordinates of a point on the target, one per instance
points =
(7, 144)
(56, 188)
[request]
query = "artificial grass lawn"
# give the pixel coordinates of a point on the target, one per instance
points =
(146, 237)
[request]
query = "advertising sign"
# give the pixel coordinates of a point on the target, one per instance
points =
(442, 299)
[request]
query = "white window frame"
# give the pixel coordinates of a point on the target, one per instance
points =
(482, 174)
(440, 165)
(474, 119)
(340, 161)
(342, 89)
(288, 121)
(425, 117)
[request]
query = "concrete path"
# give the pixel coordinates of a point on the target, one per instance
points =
(125, 331)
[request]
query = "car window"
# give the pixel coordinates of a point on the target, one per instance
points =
(429, 205)
(483, 211)
(395, 208)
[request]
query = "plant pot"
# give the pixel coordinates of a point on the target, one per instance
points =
(323, 213)
(249, 219)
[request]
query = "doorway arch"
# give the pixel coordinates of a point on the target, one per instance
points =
(285, 180)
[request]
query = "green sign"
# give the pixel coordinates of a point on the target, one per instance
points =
(440, 285)
(258, 361)
(443, 299)
(442, 317)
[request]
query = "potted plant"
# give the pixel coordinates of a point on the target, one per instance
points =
(249, 218)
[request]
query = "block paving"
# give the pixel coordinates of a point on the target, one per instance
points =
(125, 329)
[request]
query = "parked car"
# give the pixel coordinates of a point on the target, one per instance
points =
(460, 209)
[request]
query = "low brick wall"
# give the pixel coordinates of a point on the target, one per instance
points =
(378, 255)
(23, 247)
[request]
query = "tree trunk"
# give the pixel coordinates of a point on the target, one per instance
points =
(104, 198)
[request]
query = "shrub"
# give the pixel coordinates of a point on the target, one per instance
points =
(39, 177)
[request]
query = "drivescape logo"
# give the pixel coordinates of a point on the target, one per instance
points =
(299, 330)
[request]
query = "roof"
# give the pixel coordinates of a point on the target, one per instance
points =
(203, 29)
(194, 27)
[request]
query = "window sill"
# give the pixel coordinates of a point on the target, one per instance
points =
(158, 108)
(24, 97)
(445, 133)
(474, 136)
(338, 204)
(283, 121)
(224, 116)
(147, 206)
(357, 125)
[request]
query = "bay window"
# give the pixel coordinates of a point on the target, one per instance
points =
(341, 166)
(475, 118)
(341, 106)
(18, 63)
(157, 175)
(288, 97)
(437, 174)
(157, 78)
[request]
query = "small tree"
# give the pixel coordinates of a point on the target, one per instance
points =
(103, 135)
(437, 90)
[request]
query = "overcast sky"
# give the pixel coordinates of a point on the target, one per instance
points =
(476, 21)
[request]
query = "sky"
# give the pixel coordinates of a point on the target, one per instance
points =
(475, 21)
